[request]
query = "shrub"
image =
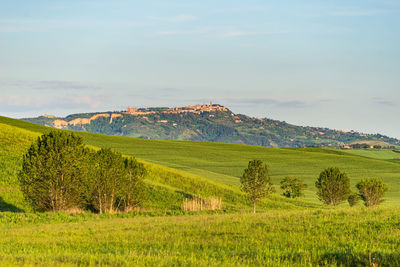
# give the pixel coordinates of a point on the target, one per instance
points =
(51, 172)
(353, 199)
(255, 182)
(59, 173)
(371, 191)
(292, 187)
(333, 186)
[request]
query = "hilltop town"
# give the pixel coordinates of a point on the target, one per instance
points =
(196, 109)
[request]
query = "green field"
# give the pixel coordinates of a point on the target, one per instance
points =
(285, 233)
(290, 238)
(375, 153)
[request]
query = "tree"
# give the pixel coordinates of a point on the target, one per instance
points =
(109, 174)
(255, 182)
(371, 191)
(292, 187)
(133, 186)
(117, 183)
(333, 186)
(51, 172)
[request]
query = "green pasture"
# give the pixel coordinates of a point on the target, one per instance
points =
(342, 237)
(375, 153)
(224, 163)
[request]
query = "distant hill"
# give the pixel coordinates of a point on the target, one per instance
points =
(212, 122)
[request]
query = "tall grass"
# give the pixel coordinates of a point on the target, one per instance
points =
(199, 204)
(342, 237)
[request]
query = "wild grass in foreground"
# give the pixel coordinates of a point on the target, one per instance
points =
(344, 237)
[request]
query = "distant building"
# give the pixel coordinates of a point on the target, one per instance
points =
(196, 109)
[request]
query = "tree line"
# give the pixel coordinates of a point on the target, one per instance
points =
(59, 173)
(333, 186)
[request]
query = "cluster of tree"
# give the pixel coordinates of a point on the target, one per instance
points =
(256, 183)
(333, 186)
(60, 173)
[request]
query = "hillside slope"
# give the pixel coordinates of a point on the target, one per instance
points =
(224, 163)
(206, 123)
(166, 187)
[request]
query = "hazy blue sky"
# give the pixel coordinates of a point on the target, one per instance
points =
(320, 63)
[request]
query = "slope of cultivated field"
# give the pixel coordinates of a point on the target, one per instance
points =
(375, 153)
(225, 162)
(167, 187)
(285, 233)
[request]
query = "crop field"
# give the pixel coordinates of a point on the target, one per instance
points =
(224, 163)
(343, 237)
(285, 232)
(375, 153)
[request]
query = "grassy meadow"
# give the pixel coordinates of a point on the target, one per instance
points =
(285, 232)
(343, 237)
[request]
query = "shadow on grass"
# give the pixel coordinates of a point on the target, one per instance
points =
(4, 206)
(185, 195)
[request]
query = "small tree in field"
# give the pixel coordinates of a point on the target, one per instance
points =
(255, 182)
(292, 187)
(333, 186)
(371, 191)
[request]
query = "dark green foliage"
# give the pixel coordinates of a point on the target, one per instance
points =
(353, 199)
(372, 191)
(51, 172)
(117, 184)
(59, 173)
(255, 182)
(292, 187)
(333, 186)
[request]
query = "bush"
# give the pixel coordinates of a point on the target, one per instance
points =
(371, 191)
(51, 172)
(117, 183)
(59, 173)
(353, 199)
(333, 186)
(255, 182)
(292, 187)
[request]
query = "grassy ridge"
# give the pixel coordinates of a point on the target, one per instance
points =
(343, 237)
(289, 233)
(166, 187)
(224, 163)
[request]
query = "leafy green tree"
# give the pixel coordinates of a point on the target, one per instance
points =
(51, 172)
(133, 190)
(109, 173)
(333, 186)
(292, 187)
(353, 199)
(371, 191)
(117, 182)
(255, 182)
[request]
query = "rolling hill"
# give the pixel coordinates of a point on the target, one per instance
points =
(167, 187)
(285, 233)
(224, 163)
(212, 122)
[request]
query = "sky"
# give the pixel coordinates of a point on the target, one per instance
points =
(327, 63)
